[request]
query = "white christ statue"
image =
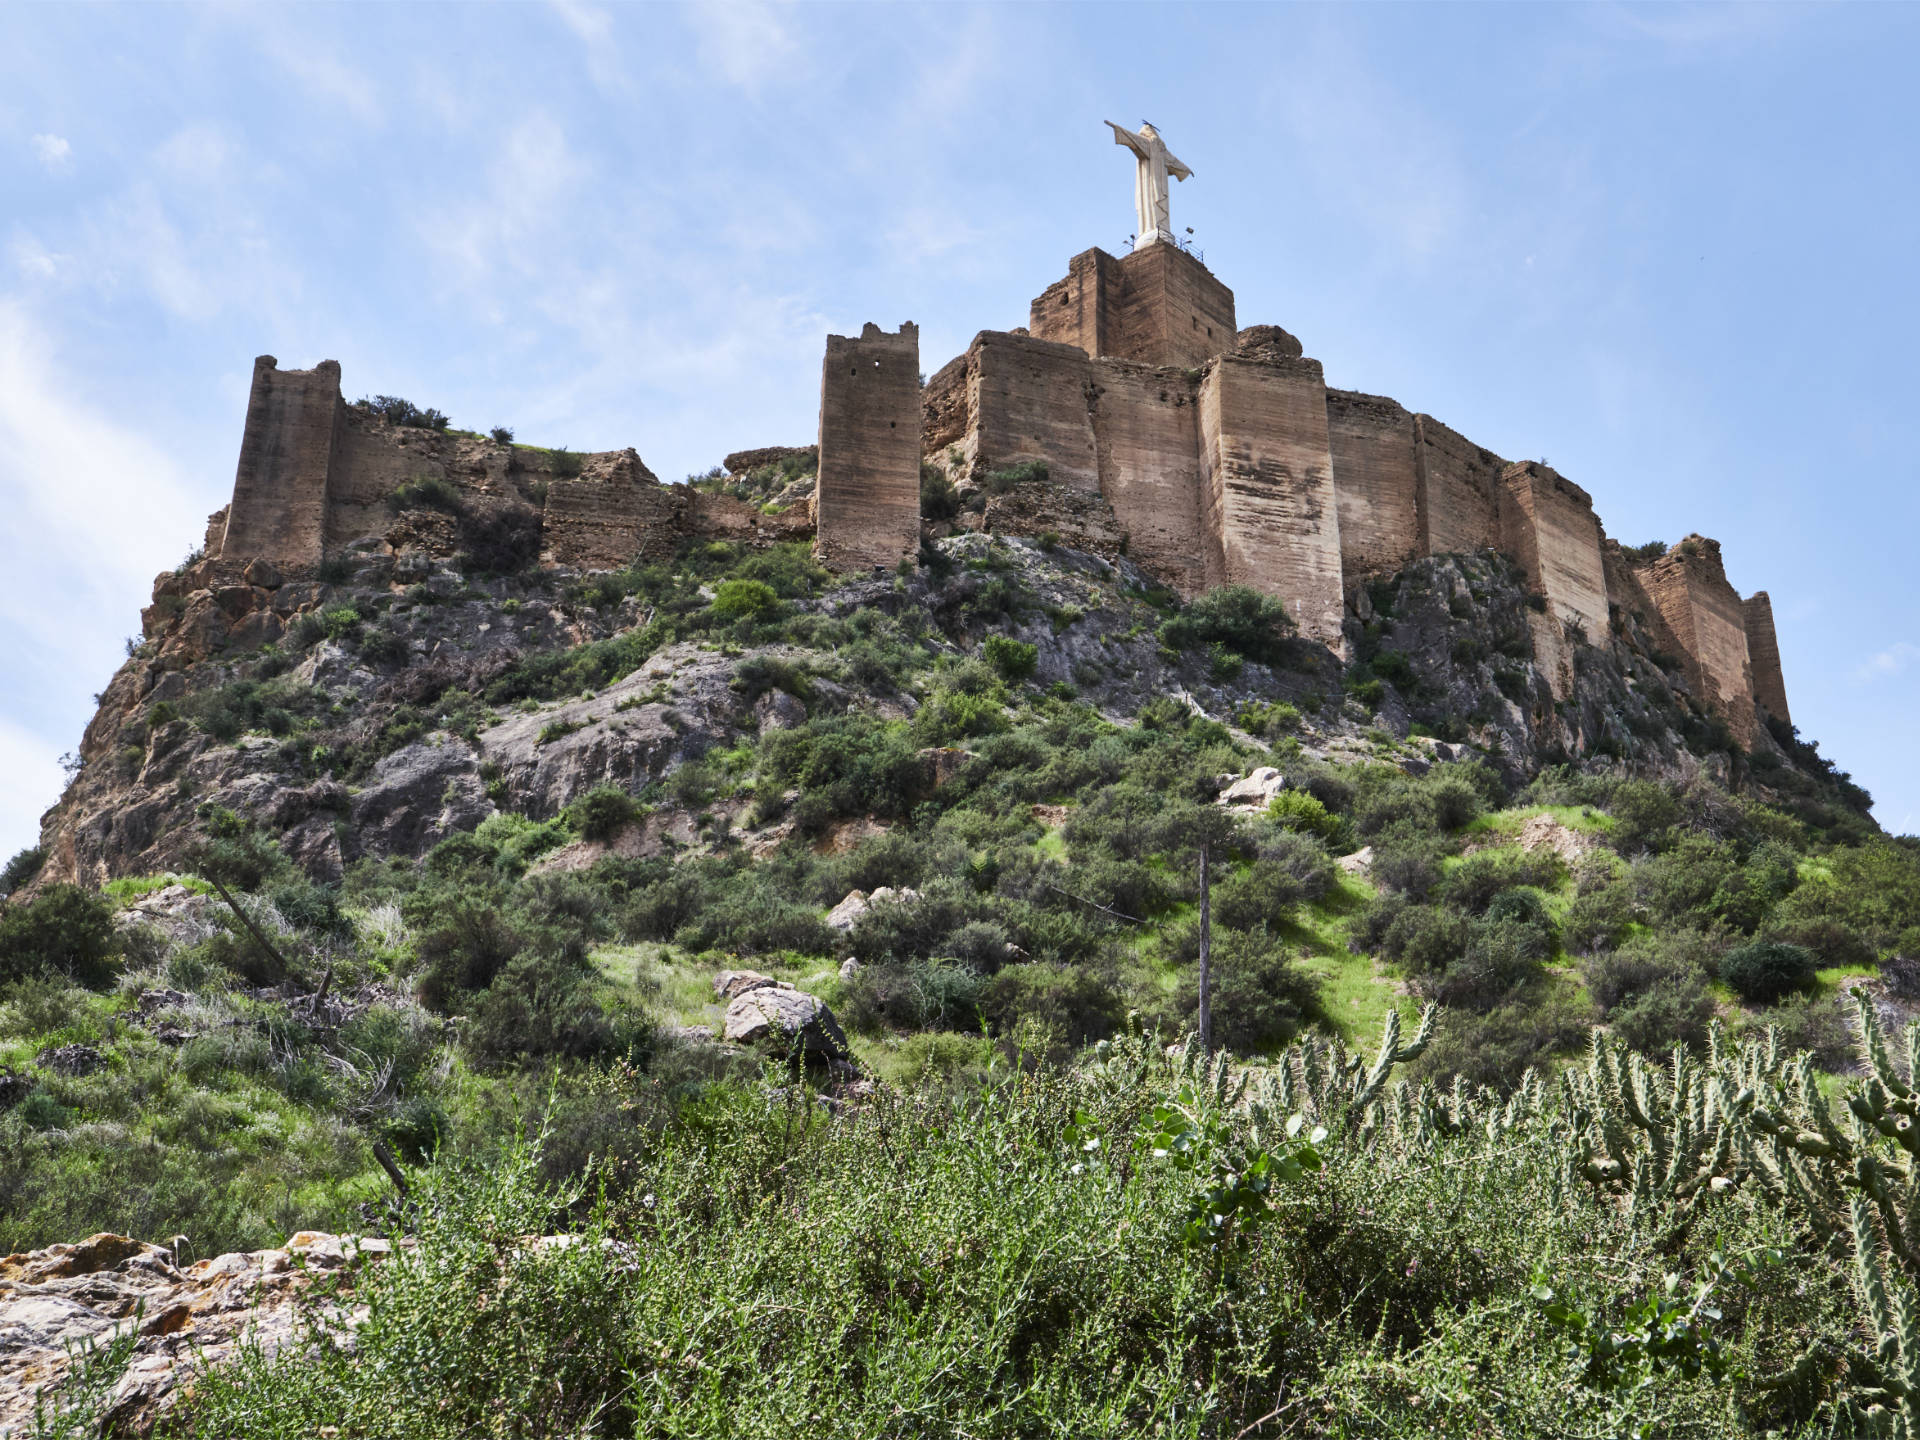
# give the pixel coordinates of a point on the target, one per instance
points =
(1156, 163)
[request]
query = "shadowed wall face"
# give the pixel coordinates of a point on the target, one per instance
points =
(1763, 650)
(1689, 584)
(1270, 510)
(1375, 469)
(1146, 424)
(867, 500)
(287, 452)
(1459, 491)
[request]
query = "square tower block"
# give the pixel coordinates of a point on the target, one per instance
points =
(866, 503)
(1376, 467)
(287, 453)
(1548, 525)
(1270, 512)
(1763, 650)
(1159, 306)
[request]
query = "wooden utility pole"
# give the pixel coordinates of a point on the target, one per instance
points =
(1206, 957)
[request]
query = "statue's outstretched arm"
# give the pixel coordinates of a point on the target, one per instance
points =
(1124, 136)
(1176, 169)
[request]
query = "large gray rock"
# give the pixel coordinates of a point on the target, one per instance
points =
(1254, 791)
(420, 795)
(775, 1017)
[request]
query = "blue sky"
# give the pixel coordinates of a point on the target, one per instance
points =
(1668, 249)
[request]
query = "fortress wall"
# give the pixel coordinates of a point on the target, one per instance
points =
(1626, 587)
(375, 460)
(1458, 491)
(1269, 507)
(287, 452)
(946, 408)
(867, 498)
(1763, 650)
(1146, 426)
(1375, 473)
(1548, 525)
(1689, 585)
(611, 514)
(1029, 402)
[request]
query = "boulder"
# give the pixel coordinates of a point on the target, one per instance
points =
(731, 984)
(777, 710)
(849, 910)
(1360, 862)
(778, 1018)
(850, 967)
(1254, 791)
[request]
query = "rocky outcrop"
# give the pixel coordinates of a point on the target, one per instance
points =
(180, 1316)
(781, 1019)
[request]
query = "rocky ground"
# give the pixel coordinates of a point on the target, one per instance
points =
(377, 738)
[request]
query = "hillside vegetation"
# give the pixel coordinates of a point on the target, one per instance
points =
(425, 896)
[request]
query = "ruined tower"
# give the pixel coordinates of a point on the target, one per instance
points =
(287, 452)
(866, 503)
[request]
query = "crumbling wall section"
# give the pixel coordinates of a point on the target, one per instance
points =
(1146, 424)
(612, 513)
(1269, 506)
(1763, 650)
(1029, 402)
(288, 451)
(867, 499)
(1459, 491)
(946, 408)
(1376, 475)
(1079, 309)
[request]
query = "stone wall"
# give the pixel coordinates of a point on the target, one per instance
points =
(1376, 472)
(946, 407)
(1459, 491)
(867, 500)
(1268, 503)
(1146, 425)
(609, 515)
(1548, 525)
(1689, 585)
(1029, 401)
(287, 452)
(1157, 305)
(1763, 651)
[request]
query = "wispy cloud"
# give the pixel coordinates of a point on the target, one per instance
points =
(1893, 660)
(54, 153)
(748, 43)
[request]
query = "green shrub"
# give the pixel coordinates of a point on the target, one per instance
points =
(1012, 660)
(342, 622)
(501, 435)
(536, 1006)
(939, 499)
(24, 865)
(1767, 970)
(1643, 812)
(602, 812)
(63, 930)
(428, 492)
(745, 600)
(999, 482)
(1236, 617)
(1674, 1010)
(397, 411)
(1297, 810)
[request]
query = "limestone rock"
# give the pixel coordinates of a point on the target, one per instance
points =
(849, 910)
(850, 967)
(1360, 862)
(776, 1017)
(420, 795)
(1254, 791)
(777, 710)
(731, 984)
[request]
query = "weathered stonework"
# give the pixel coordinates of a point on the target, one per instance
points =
(1271, 513)
(1028, 400)
(287, 453)
(1459, 494)
(613, 512)
(867, 501)
(1146, 425)
(1375, 451)
(1689, 585)
(1548, 525)
(1763, 650)
(1158, 306)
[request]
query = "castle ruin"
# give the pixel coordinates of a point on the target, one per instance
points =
(1131, 415)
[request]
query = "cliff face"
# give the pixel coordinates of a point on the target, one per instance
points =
(401, 699)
